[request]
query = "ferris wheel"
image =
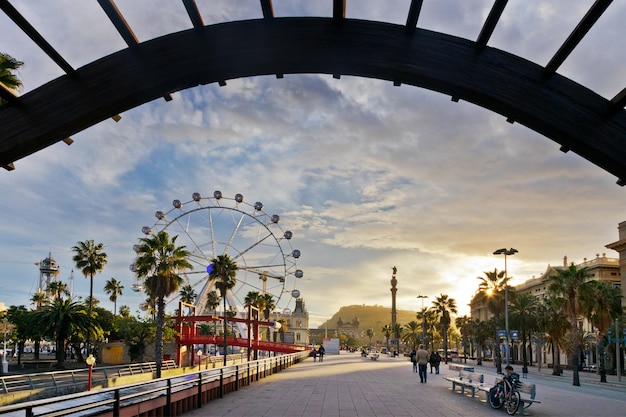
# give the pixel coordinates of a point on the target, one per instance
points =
(253, 239)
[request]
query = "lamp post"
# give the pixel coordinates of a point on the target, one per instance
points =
(506, 252)
(5, 363)
(90, 361)
(423, 318)
(199, 352)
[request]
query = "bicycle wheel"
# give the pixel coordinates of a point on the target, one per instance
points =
(512, 404)
(494, 397)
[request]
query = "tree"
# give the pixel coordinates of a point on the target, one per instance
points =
(567, 283)
(212, 301)
(523, 315)
(491, 290)
(411, 334)
(159, 262)
(57, 289)
(90, 259)
(387, 331)
(224, 272)
(188, 295)
(444, 306)
(113, 288)
(601, 304)
(464, 324)
(552, 321)
(370, 334)
(59, 320)
(124, 311)
(8, 65)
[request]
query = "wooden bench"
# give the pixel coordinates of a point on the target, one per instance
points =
(527, 392)
(471, 380)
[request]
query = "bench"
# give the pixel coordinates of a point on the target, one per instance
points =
(471, 380)
(459, 368)
(527, 392)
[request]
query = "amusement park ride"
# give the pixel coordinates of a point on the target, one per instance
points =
(266, 264)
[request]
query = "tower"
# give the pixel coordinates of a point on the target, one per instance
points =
(48, 271)
(394, 282)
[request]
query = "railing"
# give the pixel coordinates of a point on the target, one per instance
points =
(166, 396)
(58, 380)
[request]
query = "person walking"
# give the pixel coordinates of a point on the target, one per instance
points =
(322, 351)
(422, 362)
(432, 361)
(414, 359)
(314, 355)
(437, 362)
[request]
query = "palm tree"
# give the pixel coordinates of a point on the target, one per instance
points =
(57, 289)
(124, 311)
(8, 65)
(224, 272)
(158, 263)
(113, 288)
(59, 320)
(492, 290)
(39, 299)
(567, 283)
(464, 324)
(523, 314)
(412, 333)
(370, 335)
(90, 259)
(443, 307)
(601, 304)
(212, 301)
(552, 321)
(387, 331)
(188, 295)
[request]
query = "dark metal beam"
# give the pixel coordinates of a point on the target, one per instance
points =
(194, 13)
(414, 14)
(32, 33)
(267, 8)
(490, 24)
(115, 16)
(558, 108)
(619, 101)
(339, 10)
(576, 36)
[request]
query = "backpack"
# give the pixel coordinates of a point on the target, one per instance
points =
(494, 396)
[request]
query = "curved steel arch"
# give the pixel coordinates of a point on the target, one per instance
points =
(556, 107)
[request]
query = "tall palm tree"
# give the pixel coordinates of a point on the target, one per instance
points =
(159, 262)
(8, 65)
(567, 283)
(59, 320)
(212, 301)
(491, 289)
(552, 321)
(90, 259)
(224, 272)
(114, 289)
(444, 306)
(464, 324)
(523, 314)
(188, 295)
(39, 299)
(601, 304)
(370, 334)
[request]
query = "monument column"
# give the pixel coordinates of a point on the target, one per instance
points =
(394, 282)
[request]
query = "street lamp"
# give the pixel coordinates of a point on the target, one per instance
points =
(5, 363)
(506, 252)
(90, 361)
(423, 318)
(199, 352)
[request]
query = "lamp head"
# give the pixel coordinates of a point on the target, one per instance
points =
(90, 361)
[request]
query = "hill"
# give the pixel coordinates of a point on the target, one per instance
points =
(369, 316)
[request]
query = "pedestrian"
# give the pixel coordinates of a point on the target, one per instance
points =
(414, 359)
(437, 362)
(422, 362)
(322, 351)
(432, 361)
(314, 355)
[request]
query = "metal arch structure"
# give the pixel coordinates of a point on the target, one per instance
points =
(537, 97)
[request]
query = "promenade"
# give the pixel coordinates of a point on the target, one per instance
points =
(348, 385)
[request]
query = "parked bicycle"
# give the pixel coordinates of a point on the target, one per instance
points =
(505, 393)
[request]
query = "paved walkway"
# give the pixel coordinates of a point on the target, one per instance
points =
(348, 385)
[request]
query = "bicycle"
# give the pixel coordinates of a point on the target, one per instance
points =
(505, 394)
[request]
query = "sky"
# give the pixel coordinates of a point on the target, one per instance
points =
(366, 175)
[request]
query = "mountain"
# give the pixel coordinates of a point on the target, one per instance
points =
(369, 316)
